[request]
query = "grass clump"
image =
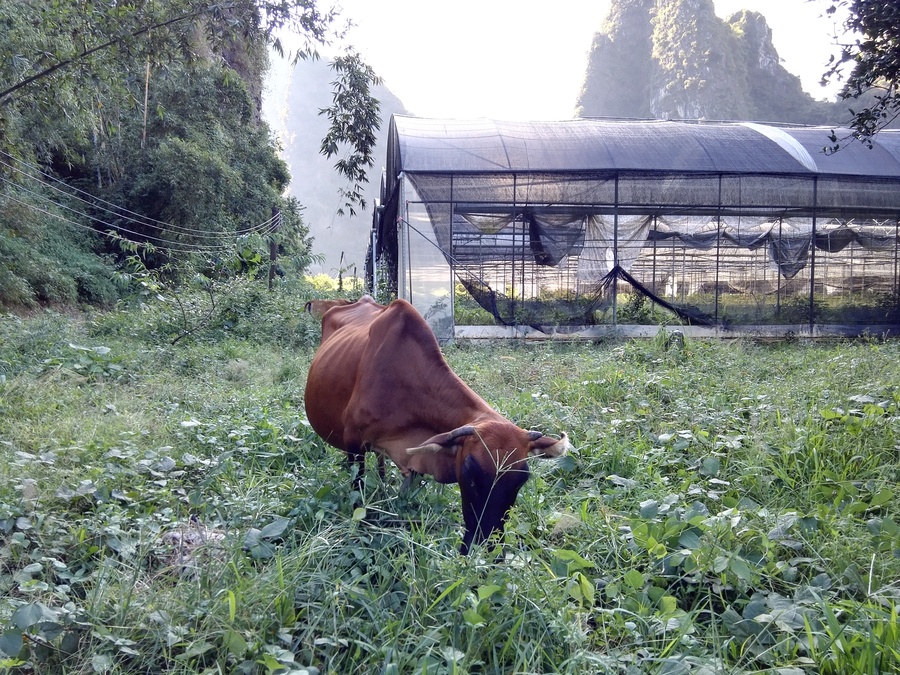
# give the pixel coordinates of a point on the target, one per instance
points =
(729, 507)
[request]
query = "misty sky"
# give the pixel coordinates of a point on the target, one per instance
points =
(509, 59)
(522, 59)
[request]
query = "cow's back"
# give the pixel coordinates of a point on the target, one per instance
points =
(379, 377)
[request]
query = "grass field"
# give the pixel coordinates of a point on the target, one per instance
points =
(729, 507)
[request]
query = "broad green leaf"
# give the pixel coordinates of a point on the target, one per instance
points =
(275, 529)
(668, 604)
(690, 539)
(655, 593)
(741, 569)
(634, 579)
(271, 663)
(11, 643)
(573, 588)
(649, 508)
(32, 569)
(235, 643)
(572, 559)
(566, 463)
(252, 538)
(659, 550)
(882, 497)
(857, 507)
(821, 581)
(473, 618)
(710, 466)
(101, 663)
(27, 616)
(587, 588)
(485, 592)
(50, 630)
(195, 650)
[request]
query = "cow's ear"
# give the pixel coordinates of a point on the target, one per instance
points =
(446, 441)
(545, 446)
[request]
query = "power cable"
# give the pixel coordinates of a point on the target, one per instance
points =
(120, 210)
(164, 244)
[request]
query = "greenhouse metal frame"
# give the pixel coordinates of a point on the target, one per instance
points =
(585, 227)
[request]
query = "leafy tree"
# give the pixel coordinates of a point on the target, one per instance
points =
(354, 118)
(154, 106)
(874, 54)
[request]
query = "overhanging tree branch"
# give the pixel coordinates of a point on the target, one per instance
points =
(6, 93)
(873, 53)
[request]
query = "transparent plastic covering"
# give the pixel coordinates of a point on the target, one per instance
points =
(583, 222)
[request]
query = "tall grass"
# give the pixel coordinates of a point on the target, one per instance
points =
(729, 507)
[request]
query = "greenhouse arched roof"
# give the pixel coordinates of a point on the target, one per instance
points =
(482, 145)
(597, 166)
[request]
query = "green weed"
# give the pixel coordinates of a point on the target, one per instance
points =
(728, 507)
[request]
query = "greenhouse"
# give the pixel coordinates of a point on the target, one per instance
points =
(585, 226)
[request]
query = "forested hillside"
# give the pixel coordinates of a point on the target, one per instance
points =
(675, 59)
(136, 129)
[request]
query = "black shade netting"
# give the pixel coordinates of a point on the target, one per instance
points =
(584, 309)
(539, 313)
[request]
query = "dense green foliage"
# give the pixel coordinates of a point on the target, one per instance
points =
(141, 122)
(730, 507)
(676, 59)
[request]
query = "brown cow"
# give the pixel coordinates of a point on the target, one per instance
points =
(380, 383)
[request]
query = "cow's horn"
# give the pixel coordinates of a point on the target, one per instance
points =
(442, 441)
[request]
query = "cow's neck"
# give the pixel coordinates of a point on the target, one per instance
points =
(455, 405)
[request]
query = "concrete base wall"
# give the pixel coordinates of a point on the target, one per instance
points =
(634, 331)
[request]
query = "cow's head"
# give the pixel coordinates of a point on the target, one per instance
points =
(491, 467)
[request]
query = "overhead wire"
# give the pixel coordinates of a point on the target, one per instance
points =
(141, 219)
(47, 180)
(227, 240)
(75, 223)
(163, 243)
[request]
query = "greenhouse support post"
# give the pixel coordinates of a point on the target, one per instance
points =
(718, 251)
(615, 298)
(896, 261)
(812, 256)
(373, 242)
(778, 274)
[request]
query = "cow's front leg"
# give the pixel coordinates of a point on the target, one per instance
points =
(356, 466)
(408, 481)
